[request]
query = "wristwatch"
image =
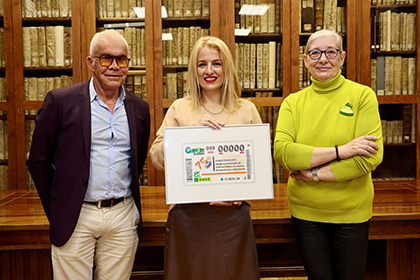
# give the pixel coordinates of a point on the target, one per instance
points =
(315, 174)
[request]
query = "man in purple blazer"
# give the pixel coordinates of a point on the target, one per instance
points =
(88, 149)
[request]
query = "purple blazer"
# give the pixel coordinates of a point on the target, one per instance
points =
(60, 154)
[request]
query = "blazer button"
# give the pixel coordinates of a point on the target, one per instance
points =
(84, 182)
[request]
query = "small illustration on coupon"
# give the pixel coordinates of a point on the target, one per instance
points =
(218, 163)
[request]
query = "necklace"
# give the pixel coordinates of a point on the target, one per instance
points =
(218, 113)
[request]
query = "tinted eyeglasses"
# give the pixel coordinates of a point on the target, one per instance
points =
(329, 53)
(107, 60)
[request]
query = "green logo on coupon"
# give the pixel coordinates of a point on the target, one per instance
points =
(195, 151)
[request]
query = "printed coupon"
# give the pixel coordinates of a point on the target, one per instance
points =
(218, 163)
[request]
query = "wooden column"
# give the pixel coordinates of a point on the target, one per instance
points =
(10, 98)
(222, 22)
(154, 79)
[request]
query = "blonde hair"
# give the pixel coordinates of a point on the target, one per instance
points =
(230, 88)
(324, 33)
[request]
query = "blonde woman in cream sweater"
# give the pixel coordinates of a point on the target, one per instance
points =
(209, 240)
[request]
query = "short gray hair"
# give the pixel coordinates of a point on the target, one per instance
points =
(107, 33)
(325, 33)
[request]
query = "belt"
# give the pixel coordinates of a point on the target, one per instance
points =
(106, 203)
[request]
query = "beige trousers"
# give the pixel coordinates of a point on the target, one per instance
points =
(105, 236)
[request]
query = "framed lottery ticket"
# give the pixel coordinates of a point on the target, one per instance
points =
(204, 164)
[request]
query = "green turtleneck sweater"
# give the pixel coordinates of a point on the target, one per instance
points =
(326, 114)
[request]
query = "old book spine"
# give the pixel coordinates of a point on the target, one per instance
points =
(117, 8)
(265, 65)
(259, 65)
(180, 45)
(241, 64)
(27, 56)
(142, 46)
(179, 85)
(389, 75)
(307, 16)
(185, 45)
(279, 72)
(257, 19)
(170, 8)
(397, 75)
(205, 8)
(33, 32)
(252, 65)
(237, 15)
(407, 108)
(67, 47)
(165, 87)
(264, 18)
(124, 8)
(188, 10)
(110, 9)
(278, 14)
(271, 16)
(129, 83)
(411, 75)
(197, 8)
(185, 83)
(178, 8)
(192, 39)
(404, 76)
(59, 45)
(373, 63)
(319, 14)
(384, 132)
(249, 20)
(246, 65)
(172, 85)
(271, 64)
(137, 85)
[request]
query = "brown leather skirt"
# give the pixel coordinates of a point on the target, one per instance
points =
(210, 242)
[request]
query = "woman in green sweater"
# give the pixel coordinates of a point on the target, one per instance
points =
(329, 137)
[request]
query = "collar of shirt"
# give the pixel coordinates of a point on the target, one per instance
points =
(93, 95)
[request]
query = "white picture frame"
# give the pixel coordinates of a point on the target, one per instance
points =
(228, 164)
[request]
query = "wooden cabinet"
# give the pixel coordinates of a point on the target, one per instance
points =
(84, 22)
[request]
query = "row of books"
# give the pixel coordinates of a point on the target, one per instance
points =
(136, 39)
(393, 75)
(392, 31)
(117, 8)
(136, 84)
(259, 65)
(35, 89)
(392, 2)
(177, 51)
(269, 22)
(46, 8)
(175, 85)
(3, 140)
(187, 8)
(4, 177)
(401, 131)
(47, 46)
(322, 14)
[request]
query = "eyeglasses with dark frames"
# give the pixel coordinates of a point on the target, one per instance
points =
(107, 60)
(330, 53)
